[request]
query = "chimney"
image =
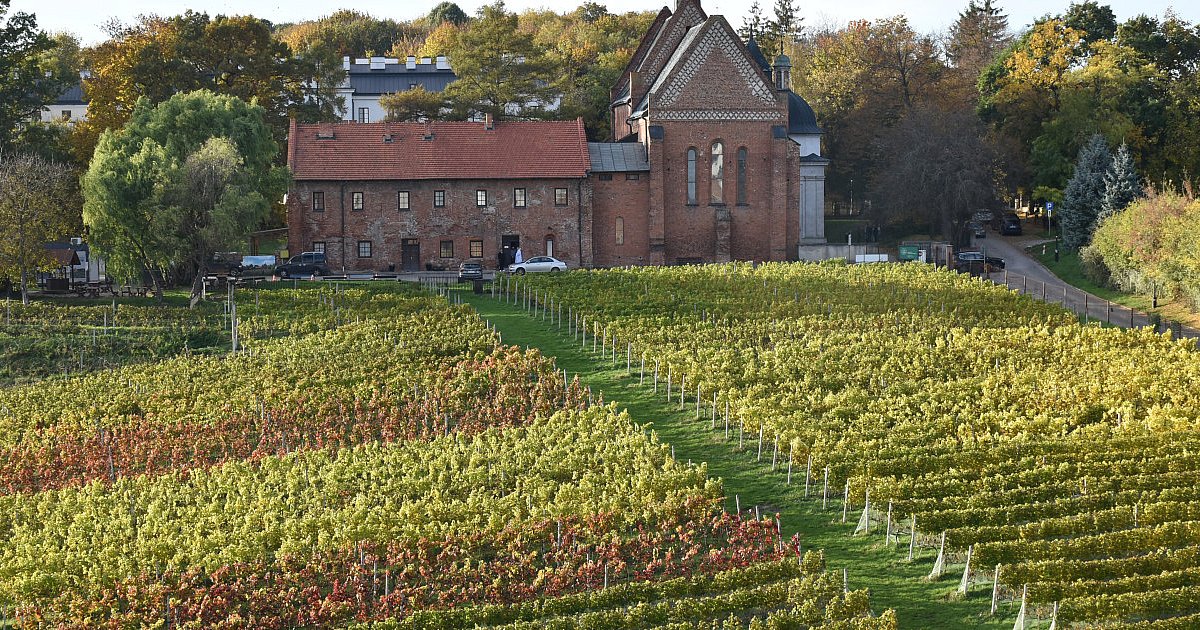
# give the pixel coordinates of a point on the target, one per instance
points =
(428, 130)
(346, 63)
(783, 73)
(410, 63)
(489, 122)
(325, 131)
(443, 63)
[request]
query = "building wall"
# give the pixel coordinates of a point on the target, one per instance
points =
(54, 111)
(625, 196)
(460, 221)
(690, 231)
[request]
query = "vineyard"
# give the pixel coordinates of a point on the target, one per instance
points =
(368, 455)
(1030, 456)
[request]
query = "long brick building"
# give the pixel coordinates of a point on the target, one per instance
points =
(713, 159)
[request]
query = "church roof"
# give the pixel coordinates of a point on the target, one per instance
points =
(801, 118)
(438, 150)
(757, 55)
(618, 157)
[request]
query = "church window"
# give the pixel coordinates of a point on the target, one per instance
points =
(741, 176)
(620, 230)
(691, 175)
(717, 183)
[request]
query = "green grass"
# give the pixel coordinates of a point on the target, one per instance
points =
(892, 580)
(1069, 269)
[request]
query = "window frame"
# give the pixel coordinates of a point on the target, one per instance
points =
(565, 194)
(476, 248)
(403, 200)
(318, 201)
(716, 179)
(481, 198)
(358, 201)
(370, 249)
(318, 247)
(743, 157)
(439, 199)
(446, 248)
(364, 115)
(520, 198)
(692, 157)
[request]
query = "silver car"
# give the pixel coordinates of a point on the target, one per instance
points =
(538, 264)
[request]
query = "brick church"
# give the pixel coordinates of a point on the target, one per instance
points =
(714, 159)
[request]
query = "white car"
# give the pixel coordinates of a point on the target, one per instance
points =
(536, 264)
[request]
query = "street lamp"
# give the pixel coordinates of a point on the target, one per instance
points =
(851, 196)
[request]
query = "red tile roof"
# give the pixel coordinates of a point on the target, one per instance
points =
(457, 150)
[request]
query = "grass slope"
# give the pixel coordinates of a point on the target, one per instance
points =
(894, 582)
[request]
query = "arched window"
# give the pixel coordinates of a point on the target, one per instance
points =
(620, 230)
(717, 183)
(691, 175)
(741, 176)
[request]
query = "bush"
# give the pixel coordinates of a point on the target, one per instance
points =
(1151, 245)
(1091, 261)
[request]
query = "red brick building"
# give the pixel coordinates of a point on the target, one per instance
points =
(715, 159)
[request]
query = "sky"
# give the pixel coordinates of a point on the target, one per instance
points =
(85, 17)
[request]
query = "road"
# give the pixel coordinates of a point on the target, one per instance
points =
(1026, 275)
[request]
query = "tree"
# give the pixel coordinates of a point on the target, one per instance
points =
(1121, 186)
(147, 203)
(37, 205)
(211, 203)
(783, 29)
(754, 24)
(501, 70)
(414, 104)
(976, 37)
(1084, 195)
(940, 170)
(446, 12)
(24, 86)
(160, 57)
(1097, 22)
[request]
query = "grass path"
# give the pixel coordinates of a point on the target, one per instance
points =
(894, 582)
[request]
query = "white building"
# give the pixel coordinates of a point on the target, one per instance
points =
(367, 79)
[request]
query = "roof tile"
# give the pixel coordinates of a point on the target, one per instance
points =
(457, 150)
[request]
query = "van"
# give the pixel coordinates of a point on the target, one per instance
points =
(306, 264)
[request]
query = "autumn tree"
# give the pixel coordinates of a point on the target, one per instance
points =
(157, 58)
(160, 192)
(38, 204)
(501, 70)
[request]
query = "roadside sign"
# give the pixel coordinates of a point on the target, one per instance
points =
(908, 252)
(1049, 208)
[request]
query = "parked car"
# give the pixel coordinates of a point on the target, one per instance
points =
(976, 263)
(1010, 225)
(537, 264)
(977, 229)
(470, 271)
(301, 265)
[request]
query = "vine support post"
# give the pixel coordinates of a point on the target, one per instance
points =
(825, 491)
(995, 588)
(912, 537)
(807, 475)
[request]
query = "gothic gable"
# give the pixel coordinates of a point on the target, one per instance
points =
(712, 70)
(688, 14)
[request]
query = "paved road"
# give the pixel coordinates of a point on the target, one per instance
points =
(1026, 275)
